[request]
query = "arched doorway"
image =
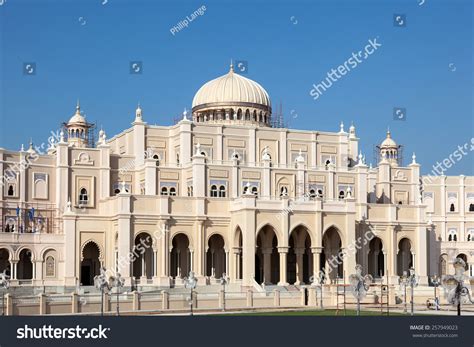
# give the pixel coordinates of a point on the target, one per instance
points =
(25, 265)
(376, 258)
(404, 256)
(143, 252)
(267, 265)
(331, 261)
(5, 261)
(215, 261)
(90, 264)
(299, 256)
(180, 256)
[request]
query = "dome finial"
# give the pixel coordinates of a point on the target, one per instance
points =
(389, 135)
(231, 66)
(78, 106)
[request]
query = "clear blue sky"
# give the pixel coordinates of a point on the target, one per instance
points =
(89, 57)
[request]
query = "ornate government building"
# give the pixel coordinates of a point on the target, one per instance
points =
(224, 192)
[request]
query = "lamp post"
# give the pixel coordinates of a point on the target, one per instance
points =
(190, 283)
(117, 281)
(436, 282)
(403, 282)
(413, 282)
(318, 283)
(100, 282)
(359, 285)
(4, 284)
(455, 289)
(224, 281)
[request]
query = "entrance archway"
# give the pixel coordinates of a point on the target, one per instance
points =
(5, 261)
(404, 256)
(25, 265)
(376, 258)
(90, 264)
(216, 262)
(331, 261)
(267, 265)
(299, 256)
(180, 256)
(143, 251)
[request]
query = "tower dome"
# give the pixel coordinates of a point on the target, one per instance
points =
(390, 151)
(232, 98)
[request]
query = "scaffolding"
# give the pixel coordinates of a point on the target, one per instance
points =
(341, 305)
(30, 218)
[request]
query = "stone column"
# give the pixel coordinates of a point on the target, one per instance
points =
(283, 251)
(227, 262)
(299, 265)
(72, 256)
(200, 247)
(267, 265)
(316, 262)
(163, 261)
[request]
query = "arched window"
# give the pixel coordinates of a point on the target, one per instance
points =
(312, 194)
(172, 191)
(164, 191)
(10, 190)
(116, 191)
(284, 191)
(471, 207)
(451, 208)
(341, 194)
(400, 202)
(213, 191)
(452, 235)
(50, 266)
(470, 236)
(222, 191)
(83, 197)
(190, 190)
(254, 190)
(320, 193)
(177, 158)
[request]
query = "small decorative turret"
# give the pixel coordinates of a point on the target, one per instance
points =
(78, 129)
(389, 150)
(300, 158)
(341, 128)
(138, 114)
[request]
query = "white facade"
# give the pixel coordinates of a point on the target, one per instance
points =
(224, 192)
